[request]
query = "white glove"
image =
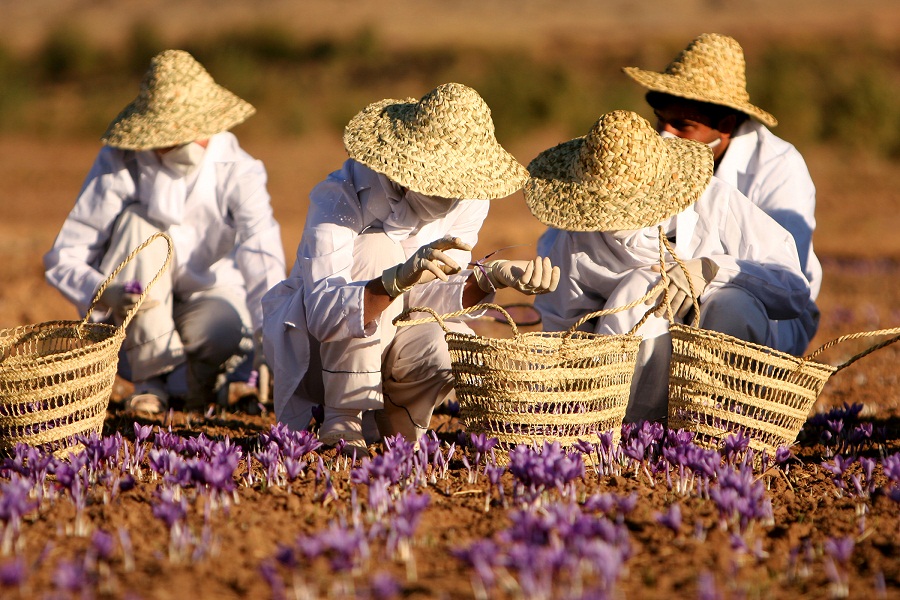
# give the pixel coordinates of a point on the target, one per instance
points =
(428, 263)
(701, 272)
(120, 301)
(530, 277)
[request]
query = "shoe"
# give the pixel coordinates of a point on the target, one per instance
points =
(343, 424)
(239, 396)
(149, 396)
(147, 403)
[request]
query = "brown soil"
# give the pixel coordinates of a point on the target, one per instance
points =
(855, 238)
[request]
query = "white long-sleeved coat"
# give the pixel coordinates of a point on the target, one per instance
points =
(774, 176)
(228, 234)
(751, 249)
(320, 298)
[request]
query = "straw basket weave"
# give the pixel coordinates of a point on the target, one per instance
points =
(539, 386)
(721, 385)
(56, 377)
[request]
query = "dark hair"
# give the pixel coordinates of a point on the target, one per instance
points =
(715, 112)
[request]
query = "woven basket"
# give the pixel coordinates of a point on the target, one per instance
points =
(720, 385)
(56, 377)
(539, 386)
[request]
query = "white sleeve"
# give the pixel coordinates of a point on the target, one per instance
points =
(71, 265)
(333, 302)
(760, 256)
(785, 191)
(259, 252)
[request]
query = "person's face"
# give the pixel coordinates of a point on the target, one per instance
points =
(167, 149)
(687, 122)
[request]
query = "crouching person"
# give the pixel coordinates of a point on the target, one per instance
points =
(606, 194)
(392, 229)
(169, 164)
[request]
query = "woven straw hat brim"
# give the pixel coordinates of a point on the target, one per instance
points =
(139, 127)
(467, 162)
(558, 198)
(684, 88)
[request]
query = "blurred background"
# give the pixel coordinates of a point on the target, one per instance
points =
(829, 70)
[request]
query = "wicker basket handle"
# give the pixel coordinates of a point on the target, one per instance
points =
(895, 331)
(403, 320)
(121, 266)
(608, 311)
(665, 245)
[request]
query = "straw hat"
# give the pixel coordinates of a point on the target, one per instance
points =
(442, 145)
(621, 175)
(711, 69)
(178, 103)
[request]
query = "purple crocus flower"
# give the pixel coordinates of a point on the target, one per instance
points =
(783, 455)
(13, 573)
(294, 468)
(868, 467)
(860, 435)
(384, 587)
(482, 445)
(133, 287)
(270, 574)
(17, 462)
(838, 468)
(840, 549)
(405, 521)
(706, 587)
(344, 548)
(15, 501)
(170, 510)
(285, 555)
(838, 552)
(604, 503)
(671, 519)
(740, 497)
(735, 444)
(495, 478)
(70, 577)
(102, 544)
(891, 467)
(482, 556)
(142, 432)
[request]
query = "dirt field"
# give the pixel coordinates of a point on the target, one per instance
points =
(240, 552)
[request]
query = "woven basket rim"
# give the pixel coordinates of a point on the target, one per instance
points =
(586, 336)
(688, 331)
(113, 333)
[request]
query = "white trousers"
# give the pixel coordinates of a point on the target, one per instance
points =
(400, 373)
(208, 331)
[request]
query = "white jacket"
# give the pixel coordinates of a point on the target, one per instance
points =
(773, 175)
(320, 299)
(227, 235)
(751, 249)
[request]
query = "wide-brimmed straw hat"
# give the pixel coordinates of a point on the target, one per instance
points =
(178, 103)
(711, 69)
(621, 175)
(442, 145)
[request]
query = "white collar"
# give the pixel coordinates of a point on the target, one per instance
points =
(739, 152)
